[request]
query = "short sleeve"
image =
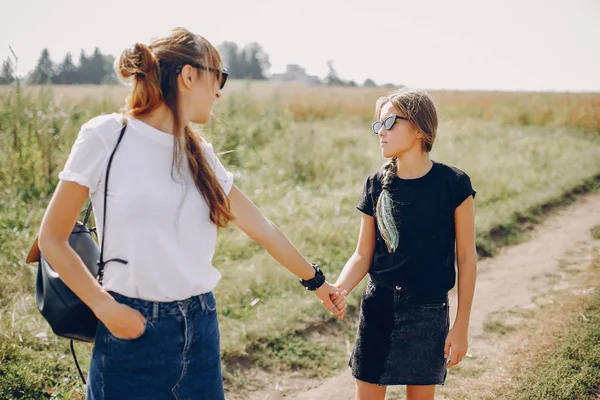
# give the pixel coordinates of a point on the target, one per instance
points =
(462, 189)
(86, 159)
(365, 204)
(224, 177)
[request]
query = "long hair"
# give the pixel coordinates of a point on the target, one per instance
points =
(154, 69)
(418, 107)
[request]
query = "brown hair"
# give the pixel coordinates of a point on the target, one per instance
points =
(418, 107)
(154, 69)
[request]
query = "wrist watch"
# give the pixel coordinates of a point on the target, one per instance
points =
(316, 282)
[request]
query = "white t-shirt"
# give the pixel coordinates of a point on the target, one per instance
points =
(157, 220)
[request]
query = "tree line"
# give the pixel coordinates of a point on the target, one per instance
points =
(94, 69)
(247, 62)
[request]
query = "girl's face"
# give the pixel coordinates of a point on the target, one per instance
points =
(401, 138)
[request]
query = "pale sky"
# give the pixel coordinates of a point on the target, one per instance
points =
(453, 44)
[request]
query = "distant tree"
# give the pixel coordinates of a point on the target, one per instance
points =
(44, 70)
(66, 73)
(96, 69)
(7, 76)
(110, 77)
(83, 75)
(250, 62)
(332, 78)
(232, 60)
(352, 84)
(257, 62)
(369, 83)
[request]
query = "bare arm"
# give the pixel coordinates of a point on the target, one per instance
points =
(457, 341)
(466, 256)
(59, 220)
(250, 220)
(359, 263)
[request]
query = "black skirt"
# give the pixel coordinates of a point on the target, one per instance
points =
(401, 337)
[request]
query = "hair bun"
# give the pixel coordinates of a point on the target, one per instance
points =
(137, 60)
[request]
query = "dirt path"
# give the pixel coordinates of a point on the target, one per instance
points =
(512, 280)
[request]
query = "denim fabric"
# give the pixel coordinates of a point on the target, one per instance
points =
(177, 356)
(401, 336)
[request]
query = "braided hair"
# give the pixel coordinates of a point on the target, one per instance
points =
(384, 209)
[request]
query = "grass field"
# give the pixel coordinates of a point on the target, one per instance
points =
(301, 154)
(572, 370)
(562, 360)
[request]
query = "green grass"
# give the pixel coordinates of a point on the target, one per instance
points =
(31, 370)
(573, 371)
(596, 232)
(498, 327)
(306, 177)
(468, 369)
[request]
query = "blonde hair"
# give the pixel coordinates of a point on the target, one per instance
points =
(420, 110)
(154, 69)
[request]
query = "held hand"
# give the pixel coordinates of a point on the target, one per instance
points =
(456, 346)
(340, 297)
(122, 321)
(332, 299)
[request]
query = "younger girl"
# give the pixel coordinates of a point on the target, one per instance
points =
(415, 212)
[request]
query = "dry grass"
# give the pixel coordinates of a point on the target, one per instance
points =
(581, 110)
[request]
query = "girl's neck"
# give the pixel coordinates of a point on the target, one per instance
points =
(413, 165)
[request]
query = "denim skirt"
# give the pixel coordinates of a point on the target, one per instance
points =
(401, 337)
(177, 356)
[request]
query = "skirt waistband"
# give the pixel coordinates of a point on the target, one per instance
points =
(411, 295)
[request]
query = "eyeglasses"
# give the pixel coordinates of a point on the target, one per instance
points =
(224, 73)
(387, 123)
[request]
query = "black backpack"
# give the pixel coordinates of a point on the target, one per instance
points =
(68, 316)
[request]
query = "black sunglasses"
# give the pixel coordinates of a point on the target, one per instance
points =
(387, 123)
(224, 73)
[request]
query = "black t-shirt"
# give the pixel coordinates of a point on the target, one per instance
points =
(424, 208)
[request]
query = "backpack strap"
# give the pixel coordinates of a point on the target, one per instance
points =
(101, 261)
(87, 213)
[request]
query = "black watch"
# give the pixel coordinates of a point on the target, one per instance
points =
(316, 282)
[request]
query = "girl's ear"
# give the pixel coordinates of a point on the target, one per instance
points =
(187, 76)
